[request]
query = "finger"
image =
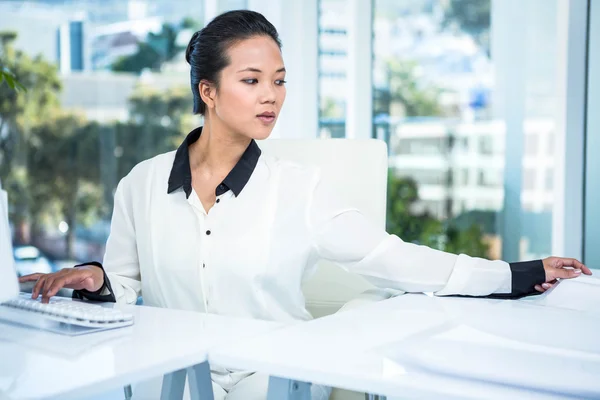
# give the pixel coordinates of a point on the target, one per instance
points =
(571, 262)
(585, 269)
(67, 279)
(566, 273)
(37, 288)
(539, 288)
(30, 277)
(58, 284)
(47, 284)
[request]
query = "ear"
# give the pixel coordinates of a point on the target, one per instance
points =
(208, 91)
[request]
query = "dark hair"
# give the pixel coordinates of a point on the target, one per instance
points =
(207, 51)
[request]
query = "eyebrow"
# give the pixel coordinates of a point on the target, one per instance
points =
(250, 69)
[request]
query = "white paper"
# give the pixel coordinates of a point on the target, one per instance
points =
(9, 286)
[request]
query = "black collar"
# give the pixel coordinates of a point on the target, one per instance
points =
(181, 174)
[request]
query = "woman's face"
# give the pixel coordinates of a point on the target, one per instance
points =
(251, 88)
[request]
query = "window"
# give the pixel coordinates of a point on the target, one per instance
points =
(550, 140)
(489, 178)
(429, 146)
(481, 178)
(434, 68)
(333, 52)
(120, 95)
(460, 145)
(428, 177)
(486, 145)
(531, 144)
(549, 182)
(465, 177)
(529, 179)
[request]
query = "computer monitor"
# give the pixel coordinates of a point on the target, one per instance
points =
(9, 284)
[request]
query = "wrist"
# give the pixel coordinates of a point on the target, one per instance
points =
(97, 276)
(98, 279)
(104, 291)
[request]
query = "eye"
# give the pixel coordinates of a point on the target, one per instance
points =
(250, 81)
(280, 82)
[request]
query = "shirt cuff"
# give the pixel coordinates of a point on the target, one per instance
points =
(104, 294)
(524, 276)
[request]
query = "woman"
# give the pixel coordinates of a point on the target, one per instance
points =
(216, 227)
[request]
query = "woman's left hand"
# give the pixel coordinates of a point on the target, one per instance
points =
(555, 269)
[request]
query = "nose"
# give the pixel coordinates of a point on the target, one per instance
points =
(268, 93)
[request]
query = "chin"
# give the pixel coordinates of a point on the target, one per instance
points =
(261, 133)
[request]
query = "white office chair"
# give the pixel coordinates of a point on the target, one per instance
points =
(357, 170)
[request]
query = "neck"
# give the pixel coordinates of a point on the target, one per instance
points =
(218, 150)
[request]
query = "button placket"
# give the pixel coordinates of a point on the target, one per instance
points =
(202, 259)
(206, 245)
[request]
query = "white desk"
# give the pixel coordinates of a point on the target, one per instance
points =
(40, 365)
(391, 348)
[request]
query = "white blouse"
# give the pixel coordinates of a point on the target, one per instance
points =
(249, 255)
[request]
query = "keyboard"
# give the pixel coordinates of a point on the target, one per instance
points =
(63, 315)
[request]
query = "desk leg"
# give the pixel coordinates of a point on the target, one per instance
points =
(173, 385)
(127, 392)
(287, 389)
(200, 382)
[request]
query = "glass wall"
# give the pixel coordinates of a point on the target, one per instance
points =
(108, 86)
(465, 93)
(461, 91)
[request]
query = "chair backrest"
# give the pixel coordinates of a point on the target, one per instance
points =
(357, 169)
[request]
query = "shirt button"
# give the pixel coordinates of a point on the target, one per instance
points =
(218, 200)
(203, 265)
(208, 232)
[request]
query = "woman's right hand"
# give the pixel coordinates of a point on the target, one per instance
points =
(88, 277)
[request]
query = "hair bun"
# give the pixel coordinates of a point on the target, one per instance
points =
(190, 47)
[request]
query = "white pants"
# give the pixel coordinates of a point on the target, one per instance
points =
(254, 387)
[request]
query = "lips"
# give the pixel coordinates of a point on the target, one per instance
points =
(266, 117)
